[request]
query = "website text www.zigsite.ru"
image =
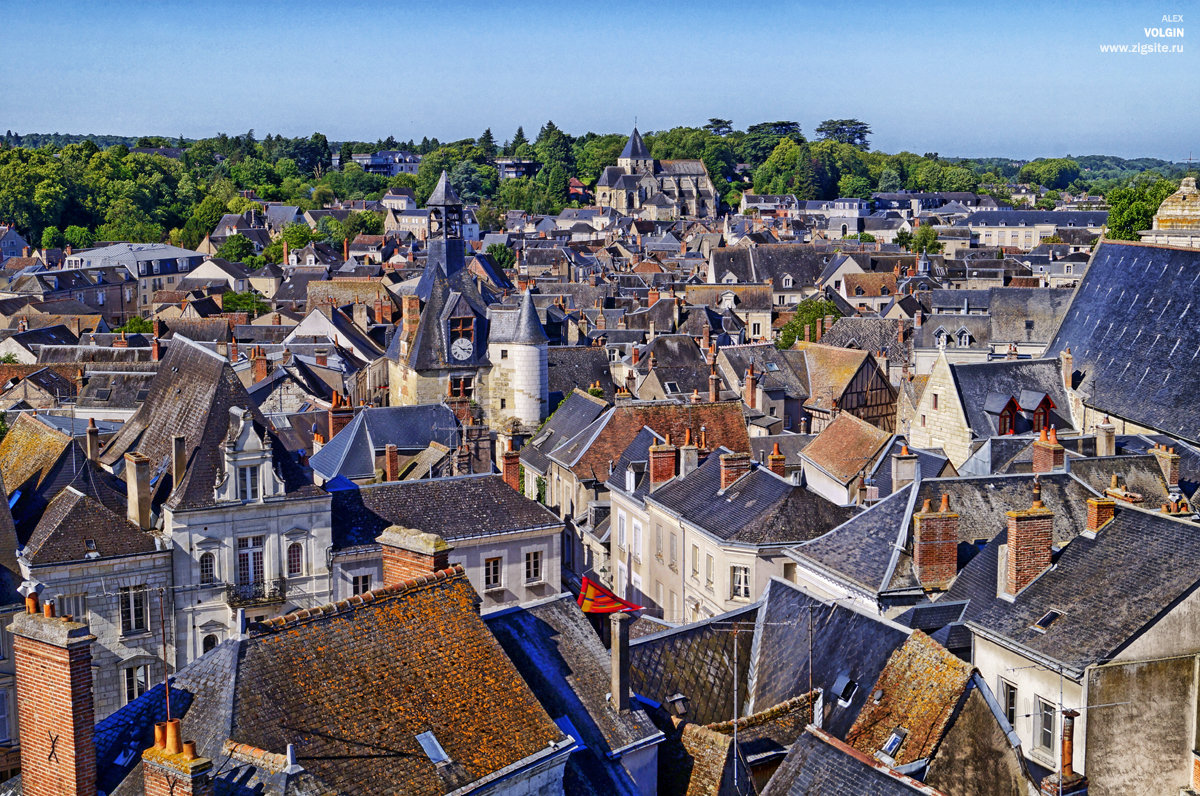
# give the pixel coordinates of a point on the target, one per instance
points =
(1155, 39)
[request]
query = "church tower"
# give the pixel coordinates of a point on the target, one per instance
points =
(635, 157)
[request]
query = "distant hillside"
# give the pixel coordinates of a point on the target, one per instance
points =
(36, 140)
(1092, 167)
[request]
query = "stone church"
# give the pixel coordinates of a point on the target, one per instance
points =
(1177, 222)
(465, 345)
(656, 189)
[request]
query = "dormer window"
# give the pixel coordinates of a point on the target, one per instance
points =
(1041, 417)
(788, 281)
(1007, 423)
(964, 339)
(248, 483)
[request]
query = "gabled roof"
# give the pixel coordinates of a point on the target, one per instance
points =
(818, 764)
(352, 450)
(976, 381)
(577, 411)
(77, 527)
(846, 447)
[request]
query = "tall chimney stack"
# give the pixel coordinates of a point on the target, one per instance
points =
(751, 387)
(55, 711)
(391, 463)
(620, 661)
(733, 467)
(137, 489)
(93, 440)
(1048, 455)
(1168, 462)
(1106, 438)
(935, 544)
(510, 466)
(1030, 542)
(904, 468)
(662, 464)
(409, 553)
(178, 459)
(172, 768)
(777, 462)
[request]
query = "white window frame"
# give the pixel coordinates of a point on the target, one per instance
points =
(621, 529)
(490, 584)
(248, 482)
(537, 559)
(739, 582)
(129, 598)
(1042, 707)
(360, 584)
(131, 688)
(637, 540)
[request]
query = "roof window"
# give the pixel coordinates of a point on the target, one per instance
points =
(1049, 618)
(433, 750)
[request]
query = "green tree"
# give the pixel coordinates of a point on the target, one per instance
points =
(808, 312)
(136, 325)
(297, 235)
(761, 140)
(322, 195)
(250, 302)
(236, 248)
(904, 239)
(720, 127)
(503, 256)
(1132, 207)
(52, 238)
(889, 181)
(125, 221)
(487, 142)
(79, 237)
(925, 239)
(847, 131)
(851, 185)
(787, 170)
(1050, 172)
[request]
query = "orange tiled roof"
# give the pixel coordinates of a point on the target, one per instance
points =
(30, 450)
(871, 284)
(830, 370)
(846, 446)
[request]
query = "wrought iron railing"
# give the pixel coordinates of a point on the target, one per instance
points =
(258, 593)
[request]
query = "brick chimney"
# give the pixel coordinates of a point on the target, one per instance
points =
(652, 297)
(662, 464)
(93, 440)
(1100, 511)
(55, 711)
(1067, 361)
(391, 463)
(706, 336)
(322, 357)
(340, 414)
(120, 342)
(233, 350)
(777, 462)
(1106, 438)
(935, 544)
(137, 489)
(620, 661)
(918, 319)
(258, 363)
(751, 387)
(1030, 538)
(714, 384)
(172, 768)
(733, 467)
(510, 467)
(1168, 461)
(410, 315)
(1048, 455)
(409, 553)
(637, 354)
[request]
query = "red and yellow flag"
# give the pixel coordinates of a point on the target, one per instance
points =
(595, 599)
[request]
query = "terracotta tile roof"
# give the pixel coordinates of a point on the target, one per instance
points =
(917, 691)
(830, 371)
(846, 446)
(347, 681)
(723, 422)
(29, 454)
(871, 284)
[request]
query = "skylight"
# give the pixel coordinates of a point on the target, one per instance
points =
(433, 750)
(1048, 619)
(892, 744)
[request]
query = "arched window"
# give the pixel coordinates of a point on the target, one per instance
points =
(787, 280)
(210, 641)
(1006, 422)
(208, 568)
(295, 559)
(1041, 418)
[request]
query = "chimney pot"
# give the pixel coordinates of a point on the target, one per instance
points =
(172, 743)
(160, 734)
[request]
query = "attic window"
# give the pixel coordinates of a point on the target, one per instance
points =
(770, 367)
(892, 745)
(433, 750)
(844, 689)
(1048, 619)
(103, 395)
(141, 395)
(672, 386)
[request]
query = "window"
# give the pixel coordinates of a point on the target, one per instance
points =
(1043, 735)
(295, 559)
(935, 401)
(208, 568)
(637, 540)
(658, 542)
(756, 329)
(5, 732)
(1041, 417)
(462, 328)
(674, 548)
(710, 570)
(74, 605)
(137, 682)
(844, 689)
(360, 584)
(922, 421)
(462, 386)
(1008, 701)
(533, 566)
(1048, 619)
(695, 561)
(1006, 422)
(493, 569)
(248, 483)
(250, 560)
(135, 601)
(621, 529)
(739, 580)
(210, 642)
(892, 745)
(504, 353)
(964, 339)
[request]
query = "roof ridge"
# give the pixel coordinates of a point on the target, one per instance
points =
(454, 572)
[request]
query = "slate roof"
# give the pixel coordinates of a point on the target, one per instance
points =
(352, 450)
(758, 509)
(577, 411)
(976, 381)
(462, 507)
(300, 680)
(930, 464)
(556, 650)
(191, 395)
(37, 462)
(76, 527)
(820, 765)
(635, 148)
(518, 327)
(570, 367)
(1135, 337)
(872, 334)
(802, 262)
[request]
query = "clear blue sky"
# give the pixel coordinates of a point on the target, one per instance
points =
(960, 78)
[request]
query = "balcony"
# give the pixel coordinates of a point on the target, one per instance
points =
(263, 592)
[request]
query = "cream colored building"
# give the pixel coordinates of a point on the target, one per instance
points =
(1177, 222)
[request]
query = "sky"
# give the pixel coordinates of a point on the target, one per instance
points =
(966, 78)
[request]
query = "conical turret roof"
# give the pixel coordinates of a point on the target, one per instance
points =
(443, 194)
(635, 147)
(529, 329)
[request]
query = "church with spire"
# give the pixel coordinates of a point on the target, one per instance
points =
(459, 342)
(658, 190)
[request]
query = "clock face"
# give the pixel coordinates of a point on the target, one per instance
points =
(461, 348)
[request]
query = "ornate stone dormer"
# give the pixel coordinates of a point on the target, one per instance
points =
(249, 473)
